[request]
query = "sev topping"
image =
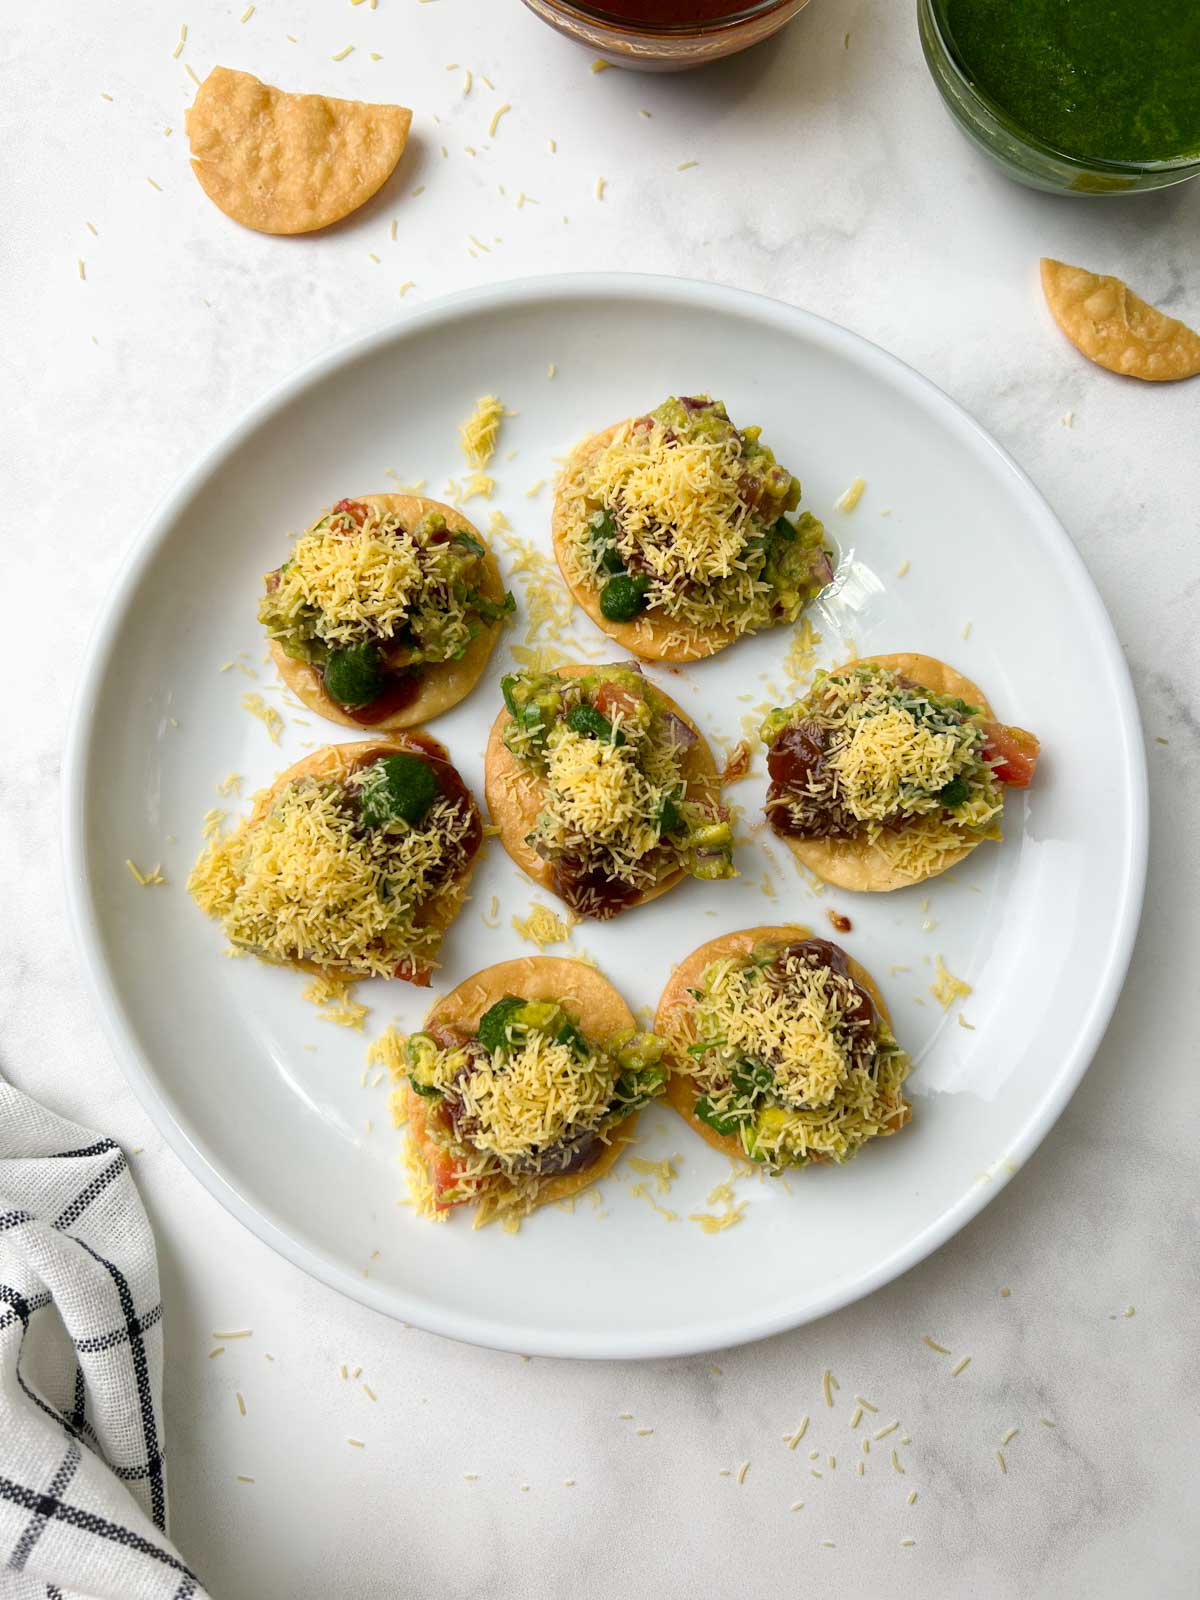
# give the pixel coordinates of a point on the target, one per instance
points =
(543, 927)
(802, 656)
(717, 1222)
(539, 1095)
(270, 718)
(663, 1172)
(681, 500)
(693, 508)
(306, 884)
(851, 496)
(600, 789)
(789, 1055)
(146, 880)
(333, 997)
(887, 756)
(353, 582)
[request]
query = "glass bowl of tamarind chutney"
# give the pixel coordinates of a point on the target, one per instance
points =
(666, 35)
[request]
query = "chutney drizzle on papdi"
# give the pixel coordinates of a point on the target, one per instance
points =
(678, 521)
(352, 863)
(622, 810)
(375, 594)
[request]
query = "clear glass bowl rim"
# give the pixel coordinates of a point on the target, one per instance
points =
(1127, 169)
(659, 30)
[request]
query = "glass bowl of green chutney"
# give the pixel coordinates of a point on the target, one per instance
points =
(1094, 97)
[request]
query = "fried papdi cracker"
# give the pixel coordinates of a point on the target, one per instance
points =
(858, 864)
(289, 163)
(601, 1012)
(652, 638)
(678, 998)
(441, 684)
(339, 762)
(514, 793)
(1112, 327)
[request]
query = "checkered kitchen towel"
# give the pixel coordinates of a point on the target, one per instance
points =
(83, 1486)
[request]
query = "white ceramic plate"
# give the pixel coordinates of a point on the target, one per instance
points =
(267, 1105)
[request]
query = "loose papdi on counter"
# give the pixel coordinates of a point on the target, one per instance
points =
(1107, 323)
(289, 163)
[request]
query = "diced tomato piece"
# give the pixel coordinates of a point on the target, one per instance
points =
(354, 509)
(613, 701)
(412, 973)
(444, 1171)
(1012, 752)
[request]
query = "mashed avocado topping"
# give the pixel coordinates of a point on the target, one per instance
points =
(790, 1055)
(682, 516)
(867, 752)
(527, 1096)
(364, 592)
(617, 817)
(342, 874)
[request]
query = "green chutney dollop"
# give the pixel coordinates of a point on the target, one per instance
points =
(1117, 80)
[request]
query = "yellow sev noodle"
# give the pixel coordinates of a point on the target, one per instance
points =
(365, 582)
(682, 504)
(539, 1094)
(303, 884)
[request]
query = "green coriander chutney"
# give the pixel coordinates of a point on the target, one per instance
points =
(1117, 80)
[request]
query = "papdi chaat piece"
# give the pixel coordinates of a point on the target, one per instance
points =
(781, 1049)
(353, 863)
(523, 1088)
(602, 789)
(672, 532)
(386, 611)
(889, 770)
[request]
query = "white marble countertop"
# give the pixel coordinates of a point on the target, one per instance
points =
(829, 176)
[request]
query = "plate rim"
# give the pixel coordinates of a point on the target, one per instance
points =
(720, 1332)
